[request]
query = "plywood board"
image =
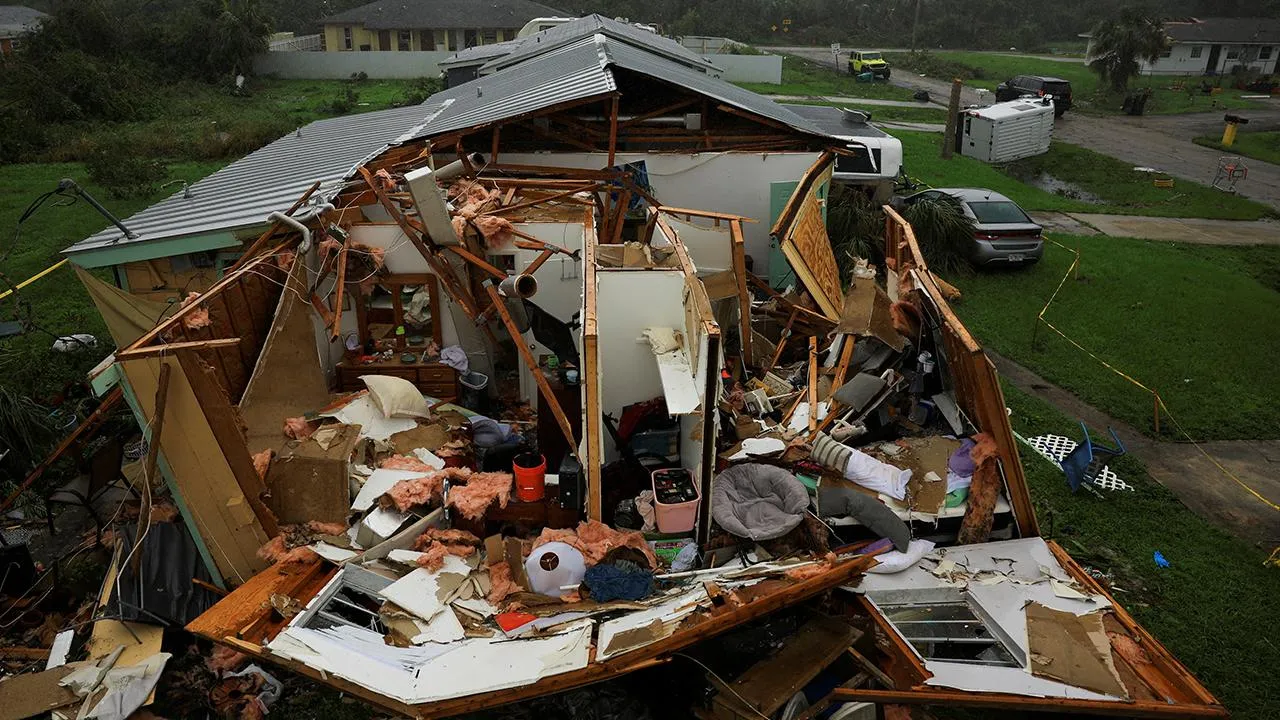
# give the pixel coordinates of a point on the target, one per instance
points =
(1071, 648)
(199, 472)
(288, 379)
(808, 249)
(866, 312)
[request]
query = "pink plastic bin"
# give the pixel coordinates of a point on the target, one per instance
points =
(675, 500)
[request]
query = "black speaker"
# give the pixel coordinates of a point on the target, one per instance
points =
(572, 490)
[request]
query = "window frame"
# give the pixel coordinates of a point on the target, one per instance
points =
(348, 38)
(404, 40)
(1197, 52)
(1266, 52)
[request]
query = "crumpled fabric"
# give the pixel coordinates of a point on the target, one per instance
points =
(644, 506)
(488, 433)
(961, 461)
(621, 581)
(455, 357)
(874, 475)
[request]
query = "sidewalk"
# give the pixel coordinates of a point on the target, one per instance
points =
(1197, 231)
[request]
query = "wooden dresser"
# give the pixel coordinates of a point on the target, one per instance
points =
(434, 379)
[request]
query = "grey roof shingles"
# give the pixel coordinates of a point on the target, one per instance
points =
(442, 14)
(270, 179)
(16, 19)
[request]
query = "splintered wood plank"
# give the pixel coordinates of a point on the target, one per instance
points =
(770, 683)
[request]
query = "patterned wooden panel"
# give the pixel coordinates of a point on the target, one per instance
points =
(809, 251)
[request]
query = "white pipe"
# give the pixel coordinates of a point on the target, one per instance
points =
(455, 168)
(296, 223)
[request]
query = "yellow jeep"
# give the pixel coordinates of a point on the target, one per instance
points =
(868, 61)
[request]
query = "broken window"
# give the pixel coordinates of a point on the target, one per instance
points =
(351, 598)
(949, 631)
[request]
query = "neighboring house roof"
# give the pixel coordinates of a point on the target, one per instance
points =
(581, 70)
(1224, 30)
(414, 14)
(17, 19)
(268, 180)
(834, 121)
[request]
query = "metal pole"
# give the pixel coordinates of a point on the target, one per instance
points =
(914, 24)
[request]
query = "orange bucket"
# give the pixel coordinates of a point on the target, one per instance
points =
(531, 477)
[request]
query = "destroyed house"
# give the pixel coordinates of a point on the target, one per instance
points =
(518, 412)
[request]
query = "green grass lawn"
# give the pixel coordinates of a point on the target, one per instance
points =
(1119, 189)
(197, 121)
(1213, 607)
(887, 113)
(802, 77)
(1258, 145)
(986, 70)
(1187, 321)
(58, 302)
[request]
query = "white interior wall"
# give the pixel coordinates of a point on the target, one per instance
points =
(627, 302)
(728, 182)
(710, 247)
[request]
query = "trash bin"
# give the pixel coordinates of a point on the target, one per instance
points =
(474, 397)
(1135, 103)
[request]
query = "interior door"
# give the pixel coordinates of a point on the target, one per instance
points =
(384, 39)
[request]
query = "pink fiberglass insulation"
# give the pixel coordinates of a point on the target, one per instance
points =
(500, 583)
(298, 428)
(198, 318)
(445, 535)
(377, 255)
(496, 231)
(436, 543)
(277, 552)
(804, 572)
(292, 544)
(328, 247)
(284, 260)
(433, 557)
(594, 540)
(481, 490)
(404, 462)
(421, 491)
(225, 660)
(326, 528)
(262, 461)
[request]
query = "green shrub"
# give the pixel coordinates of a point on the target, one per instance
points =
(344, 103)
(124, 172)
(855, 225)
(421, 89)
(944, 232)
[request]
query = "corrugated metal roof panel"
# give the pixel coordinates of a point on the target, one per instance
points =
(637, 60)
(575, 71)
(552, 38)
(269, 179)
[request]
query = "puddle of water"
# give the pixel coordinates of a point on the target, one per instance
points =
(1049, 183)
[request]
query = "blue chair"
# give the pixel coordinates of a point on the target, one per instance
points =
(1083, 465)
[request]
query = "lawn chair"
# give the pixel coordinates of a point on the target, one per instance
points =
(97, 476)
(1084, 465)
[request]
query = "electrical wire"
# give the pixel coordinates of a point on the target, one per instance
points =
(723, 684)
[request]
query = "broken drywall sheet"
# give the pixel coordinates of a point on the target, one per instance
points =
(1011, 680)
(1073, 649)
(638, 629)
(674, 369)
(425, 593)
(373, 424)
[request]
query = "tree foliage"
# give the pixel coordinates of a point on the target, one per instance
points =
(1123, 42)
(944, 231)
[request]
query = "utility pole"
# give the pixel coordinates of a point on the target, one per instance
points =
(953, 114)
(915, 23)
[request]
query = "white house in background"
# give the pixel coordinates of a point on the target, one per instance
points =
(16, 21)
(1215, 46)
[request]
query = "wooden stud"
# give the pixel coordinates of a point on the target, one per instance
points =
(476, 260)
(225, 423)
(613, 131)
(493, 149)
(665, 109)
(591, 372)
(782, 342)
(257, 245)
(339, 289)
(813, 384)
(542, 258)
(172, 348)
(532, 364)
(744, 297)
(705, 213)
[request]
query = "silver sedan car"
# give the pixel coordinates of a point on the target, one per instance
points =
(1002, 232)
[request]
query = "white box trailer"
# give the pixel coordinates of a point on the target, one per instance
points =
(1006, 131)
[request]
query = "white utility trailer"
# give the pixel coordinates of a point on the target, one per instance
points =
(1006, 131)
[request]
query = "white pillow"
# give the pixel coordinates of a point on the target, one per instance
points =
(894, 561)
(396, 397)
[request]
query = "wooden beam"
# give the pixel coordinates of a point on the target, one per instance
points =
(705, 213)
(532, 364)
(339, 289)
(591, 371)
(541, 201)
(813, 383)
(635, 120)
(264, 237)
(224, 422)
(476, 260)
(151, 351)
(744, 296)
(539, 261)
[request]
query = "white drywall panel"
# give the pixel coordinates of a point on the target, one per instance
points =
(710, 247)
(729, 182)
(401, 255)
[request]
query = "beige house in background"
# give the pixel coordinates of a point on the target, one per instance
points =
(450, 25)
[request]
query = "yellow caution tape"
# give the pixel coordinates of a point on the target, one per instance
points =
(1159, 400)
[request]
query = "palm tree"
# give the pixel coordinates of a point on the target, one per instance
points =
(1122, 42)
